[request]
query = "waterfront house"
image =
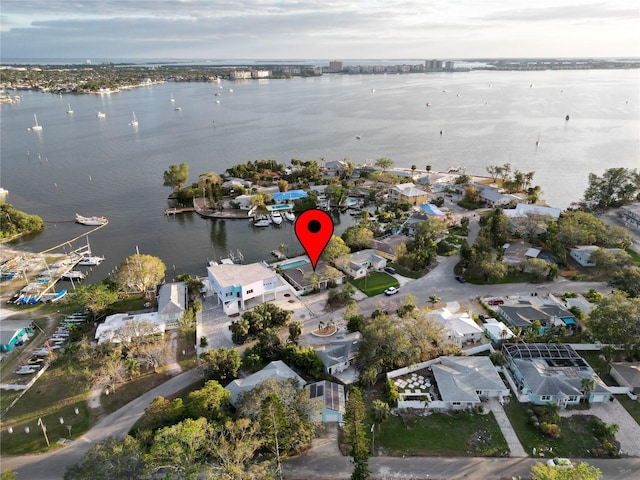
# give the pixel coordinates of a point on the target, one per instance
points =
(359, 263)
(173, 300)
(331, 398)
(234, 284)
(408, 193)
(305, 279)
(334, 168)
(289, 196)
(553, 373)
(14, 333)
(276, 369)
(492, 197)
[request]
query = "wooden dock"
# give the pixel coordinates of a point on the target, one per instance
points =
(174, 211)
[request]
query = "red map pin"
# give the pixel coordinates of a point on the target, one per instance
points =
(314, 229)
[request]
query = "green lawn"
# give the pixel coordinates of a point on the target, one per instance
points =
(631, 406)
(400, 270)
(599, 365)
(375, 283)
(576, 437)
(441, 434)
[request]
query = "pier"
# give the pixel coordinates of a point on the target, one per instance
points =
(175, 211)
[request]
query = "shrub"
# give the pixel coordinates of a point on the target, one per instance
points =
(550, 429)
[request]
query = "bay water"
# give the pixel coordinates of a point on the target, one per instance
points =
(82, 164)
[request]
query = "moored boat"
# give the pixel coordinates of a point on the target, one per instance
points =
(262, 221)
(73, 275)
(290, 216)
(276, 218)
(91, 261)
(93, 221)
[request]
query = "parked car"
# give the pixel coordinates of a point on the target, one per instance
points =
(390, 270)
(460, 278)
(391, 291)
(495, 301)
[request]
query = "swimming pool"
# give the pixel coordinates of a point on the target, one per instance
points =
(298, 263)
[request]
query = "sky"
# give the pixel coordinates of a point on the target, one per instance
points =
(318, 29)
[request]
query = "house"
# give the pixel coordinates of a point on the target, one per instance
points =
(522, 315)
(14, 333)
(463, 382)
(233, 182)
(235, 284)
(448, 383)
(497, 331)
(305, 279)
(334, 168)
(630, 215)
(493, 198)
(143, 324)
(339, 353)
(359, 263)
(522, 210)
(276, 369)
(388, 246)
(553, 373)
(408, 193)
(432, 210)
(410, 225)
(331, 398)
(582, 254)
(627, 374)
(173, 300)
(289, 196)
(458, 327)
(244, 201)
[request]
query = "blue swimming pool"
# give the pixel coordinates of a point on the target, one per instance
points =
(298, 263)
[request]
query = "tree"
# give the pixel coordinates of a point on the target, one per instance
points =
(234, 446)
(357, 238)
(181, 449)
(610, 261)
(132, 367)
(379, 412)
(176, 176)
(211, 402)
(336, 194)
(355, 433)
(537, 267)
(628, 280)
(139, 272)
(335, 250)
(587, 384)
(95, 298)
(615, 320)
(471, 195)
(273, 427)
(384, 163)
(582, 471)
(580, 228)
(221, 364)
(615, 188)
(295, 331)
(120, 458)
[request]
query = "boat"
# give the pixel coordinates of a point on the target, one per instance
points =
(217, 101)
(69, 111)
(101, 115)
(538, 140)
(358, 137)
(177, 109)
(290, 216)
(73, 275)
(134, 122)
(428, 104)
(276, 218)
(172, 99)
(91, 261)
(261, 221)
(92, 221)
(566, 118)
(36, 127)
(59, 295)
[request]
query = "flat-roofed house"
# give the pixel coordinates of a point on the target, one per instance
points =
(235, 284)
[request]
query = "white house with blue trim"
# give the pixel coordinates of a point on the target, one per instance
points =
(234, 284)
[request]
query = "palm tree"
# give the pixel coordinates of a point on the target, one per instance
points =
(587, 385)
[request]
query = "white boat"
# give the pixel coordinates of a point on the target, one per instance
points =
(73, 275)
(217, 101)
(177, 109)
(276, 218)
(262, 221)
(91, 261)
(69, 111)
(101, 115)
(172, 99)
(36, 127)
(93, 221)
(290, 216)
(134, 122)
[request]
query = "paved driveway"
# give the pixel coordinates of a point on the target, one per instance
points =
(614, 412)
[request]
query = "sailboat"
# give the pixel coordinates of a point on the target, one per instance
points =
(538, 140)
(172, 99)
(101, 115)
(134, 122)
(36, 127)
(69, 111)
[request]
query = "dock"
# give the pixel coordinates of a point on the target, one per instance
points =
(175, 211)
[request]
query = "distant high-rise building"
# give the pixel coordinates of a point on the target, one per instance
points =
(448, 65)
(335, 66)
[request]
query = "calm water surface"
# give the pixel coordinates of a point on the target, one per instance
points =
(80, 163)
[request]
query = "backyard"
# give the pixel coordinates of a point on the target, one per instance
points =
(441, 434)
